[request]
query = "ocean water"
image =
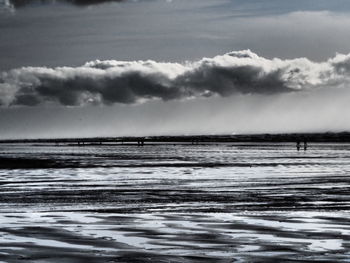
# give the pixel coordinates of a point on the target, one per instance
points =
(174, 203)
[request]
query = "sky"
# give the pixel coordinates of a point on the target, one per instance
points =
(75, 68)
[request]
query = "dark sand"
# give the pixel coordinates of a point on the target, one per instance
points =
(223, 203)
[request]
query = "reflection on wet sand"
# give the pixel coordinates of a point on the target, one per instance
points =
(166, 204)
(96, 237)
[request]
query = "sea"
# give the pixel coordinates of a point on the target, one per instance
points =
(225, 202)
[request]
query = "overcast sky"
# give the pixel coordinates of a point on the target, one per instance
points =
(77, 68)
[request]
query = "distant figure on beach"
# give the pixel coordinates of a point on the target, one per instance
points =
(298, 145)
(305, 145)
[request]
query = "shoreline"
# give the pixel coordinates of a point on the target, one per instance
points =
(330, 137)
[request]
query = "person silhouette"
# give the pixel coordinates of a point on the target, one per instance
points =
(305, 145)
(298, 145)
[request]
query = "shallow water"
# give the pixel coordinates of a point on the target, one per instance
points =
(174, 203)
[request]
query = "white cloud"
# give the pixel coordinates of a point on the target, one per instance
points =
(127, 82)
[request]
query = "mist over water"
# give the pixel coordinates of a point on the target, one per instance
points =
(321, 111)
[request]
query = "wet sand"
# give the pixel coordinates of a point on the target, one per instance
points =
(219, 237)
(224, 203)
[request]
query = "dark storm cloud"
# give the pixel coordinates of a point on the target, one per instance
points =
(127, 82)
(22, 3)
(246, 7)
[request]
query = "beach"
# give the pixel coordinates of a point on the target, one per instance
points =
(225, 202)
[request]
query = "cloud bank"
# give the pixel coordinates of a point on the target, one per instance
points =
(127, 82)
